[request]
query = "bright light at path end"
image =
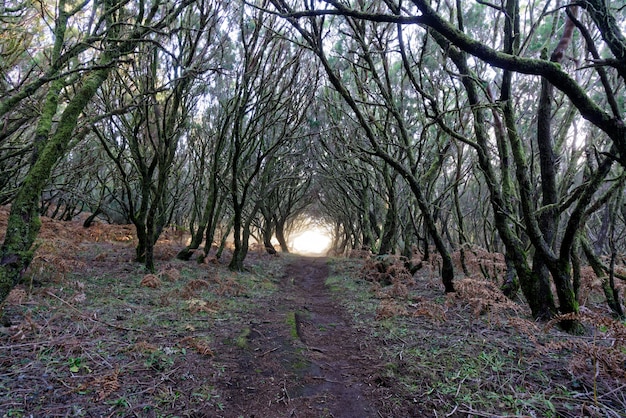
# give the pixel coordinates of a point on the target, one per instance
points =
(312, 241)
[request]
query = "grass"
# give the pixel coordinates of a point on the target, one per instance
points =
(242, 339)
(460, 366)
(290, 320)
(94, 332)
(94, 342)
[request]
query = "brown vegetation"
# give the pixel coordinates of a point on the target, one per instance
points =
(59, 322)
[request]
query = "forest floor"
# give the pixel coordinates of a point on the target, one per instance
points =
(89, 333)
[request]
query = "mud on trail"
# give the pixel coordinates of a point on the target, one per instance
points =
(305, 357)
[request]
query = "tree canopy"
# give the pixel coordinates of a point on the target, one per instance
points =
(404, 127)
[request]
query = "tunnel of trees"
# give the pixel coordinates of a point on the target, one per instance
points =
(401, 126)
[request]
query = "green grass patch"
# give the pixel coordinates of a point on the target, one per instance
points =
(242, 339)
(290, 320)
(448, 365)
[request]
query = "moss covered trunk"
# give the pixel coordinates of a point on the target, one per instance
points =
(236, 263)
(23, 225)
(388, 238)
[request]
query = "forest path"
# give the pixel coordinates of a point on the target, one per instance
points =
(305, 357)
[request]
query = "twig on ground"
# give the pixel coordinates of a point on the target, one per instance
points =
(267, 352)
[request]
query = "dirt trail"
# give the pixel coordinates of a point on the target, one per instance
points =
(305, 358)
(332, 343)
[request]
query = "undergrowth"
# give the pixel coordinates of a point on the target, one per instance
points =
(89, 333)
(93, 335)
(476, 352)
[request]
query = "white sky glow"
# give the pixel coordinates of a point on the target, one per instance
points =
(315, 240)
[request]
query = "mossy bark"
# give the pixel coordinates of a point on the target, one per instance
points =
(366, 222)
(240, 251)
(267, 241)
(388, 239)
(528, 280)
(197, 235)
(236, 263)
(614, 127)
(242, 240)
(222, 245)
(447, 271)
(23, 224)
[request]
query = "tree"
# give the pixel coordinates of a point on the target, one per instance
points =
(368, 123)
(117, 29)
(209, 163)
(486, 63)
(160, 90)
(268, 107)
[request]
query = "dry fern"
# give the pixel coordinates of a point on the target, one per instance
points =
(479, 261)
(170, 274)
(362, 254)
(429, 309)
(592, 359)
(604, 353)
(230, 287)
(211, 260)
(16, 296)
(143, 347)
(589, 282)
(191, 288)
(106, 385)
(397, 291)
(389, 308)
(201, 347)
(199, 305)
(484, 296)
(526, 327)
(150, 280)
(165, 252)
(386, 270)
(197, 284)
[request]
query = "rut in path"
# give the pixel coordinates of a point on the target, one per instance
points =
(333, 344)
(305, 357)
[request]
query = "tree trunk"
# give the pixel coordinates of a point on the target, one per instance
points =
(510, 286)
(225, 235)
(548, 218)
(89, 221)
(212, 226)
(197, 235)
(196, 239)
(267, 240)
(608, 286)
(366, 223)
(514, 246)
(142, 241)
(280, 236)
(23, 224)
(240, 252)
(236, 263)
(388, 240)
